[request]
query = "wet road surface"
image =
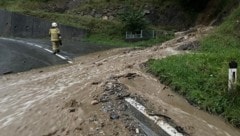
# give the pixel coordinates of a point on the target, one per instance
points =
(18, 54)
(18, 57)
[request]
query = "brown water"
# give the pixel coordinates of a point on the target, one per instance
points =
(194, 121)
(32, 102)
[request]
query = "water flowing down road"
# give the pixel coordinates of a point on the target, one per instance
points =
(62, 99)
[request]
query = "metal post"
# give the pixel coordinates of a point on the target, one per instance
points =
(232, 75)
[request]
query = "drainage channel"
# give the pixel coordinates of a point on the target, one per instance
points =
(151, 125)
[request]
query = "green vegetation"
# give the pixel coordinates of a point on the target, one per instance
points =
(202, 76)
(110, 32)
(17, 5)
(119, 42)
(105, 32)
(133, 20)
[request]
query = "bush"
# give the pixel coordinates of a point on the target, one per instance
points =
(133, 20)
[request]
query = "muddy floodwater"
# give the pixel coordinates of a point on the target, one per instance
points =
(86, 97)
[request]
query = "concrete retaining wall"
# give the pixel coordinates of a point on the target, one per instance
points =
(17, 25)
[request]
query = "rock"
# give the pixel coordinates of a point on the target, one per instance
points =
(72, 110)
(102, 133)
(114, 115)
(72, 103)
(93, 118)
(146, 12)
(193, 45)
(94, 102)
(122, 107)
(131, 75)
(105, 17)
(104, 98)
(180, 129)
(96, 83)
(102, 124)
(122, 95)
(137, 131)
(129, 66)
(78, 128)
(99, 64)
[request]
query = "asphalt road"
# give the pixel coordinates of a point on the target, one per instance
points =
(17, 55)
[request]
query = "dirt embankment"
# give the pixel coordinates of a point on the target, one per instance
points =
(216, 11)
(85, 98)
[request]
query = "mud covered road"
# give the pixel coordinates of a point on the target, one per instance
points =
(85, 98)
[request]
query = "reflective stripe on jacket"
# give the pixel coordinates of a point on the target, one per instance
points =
(54, 33)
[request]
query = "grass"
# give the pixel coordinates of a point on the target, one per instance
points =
(202, 77)
(120, 42)
(73, 20)
(104, 32)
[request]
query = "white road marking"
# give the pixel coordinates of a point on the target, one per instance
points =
(162, 124)
(62, 57)
(47, 50)
(38, 46)
(70, 62)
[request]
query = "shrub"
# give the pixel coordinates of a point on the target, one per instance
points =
(133, 20)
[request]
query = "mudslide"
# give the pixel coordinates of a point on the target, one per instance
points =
(86, 98)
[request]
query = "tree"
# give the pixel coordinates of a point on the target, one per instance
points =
(133, 20)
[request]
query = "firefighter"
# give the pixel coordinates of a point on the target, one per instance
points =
(55, 35)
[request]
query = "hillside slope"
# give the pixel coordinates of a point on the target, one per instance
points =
(175, 14)
(202, 77)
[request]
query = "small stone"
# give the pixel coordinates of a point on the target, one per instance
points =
(99, 64)
(102, 124)
(94, 102)
(96, 83)
(114, 116)
(72, 110)
(78, 128)
(137, 131)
